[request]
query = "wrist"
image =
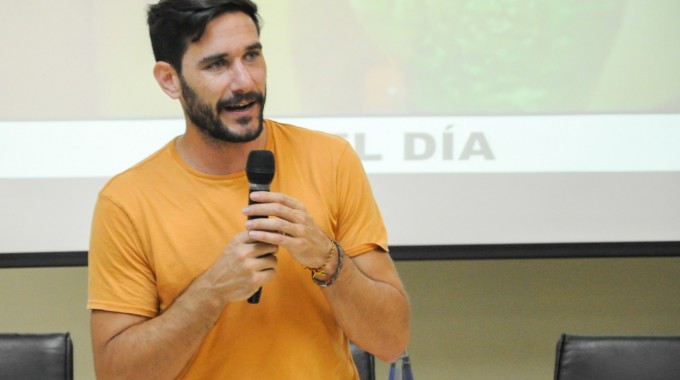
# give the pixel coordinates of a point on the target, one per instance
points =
(326, 274)
(322, 262)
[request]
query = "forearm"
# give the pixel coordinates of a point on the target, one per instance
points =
(157, 348)
(374, 313)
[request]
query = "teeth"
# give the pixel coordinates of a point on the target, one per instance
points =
(237, 106)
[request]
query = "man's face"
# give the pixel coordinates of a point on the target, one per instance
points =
(223, 80)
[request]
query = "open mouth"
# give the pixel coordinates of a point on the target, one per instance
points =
(238, 107)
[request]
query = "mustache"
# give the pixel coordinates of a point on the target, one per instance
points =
(238, 99)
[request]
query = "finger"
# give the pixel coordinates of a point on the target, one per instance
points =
(273, 238)
(274, 197)
(276, 224)
(261, 249)
(246, 247)
(274, 209)
(241, 238)
(266, 262)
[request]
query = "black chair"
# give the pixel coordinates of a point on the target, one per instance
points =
(36, 356)
(364, 361)
(617, 358)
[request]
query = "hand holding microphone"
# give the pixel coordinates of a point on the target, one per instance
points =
(293, 227)
(260, 171)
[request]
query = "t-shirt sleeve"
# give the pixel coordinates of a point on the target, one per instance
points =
(360, 226)
(120, 276)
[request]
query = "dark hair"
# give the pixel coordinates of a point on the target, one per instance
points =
(173, 24)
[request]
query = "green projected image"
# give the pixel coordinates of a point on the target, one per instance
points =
(347, 58)
(487, 57)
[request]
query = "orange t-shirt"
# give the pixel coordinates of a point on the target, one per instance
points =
(160, 224)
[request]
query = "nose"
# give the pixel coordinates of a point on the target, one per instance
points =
(241, 80)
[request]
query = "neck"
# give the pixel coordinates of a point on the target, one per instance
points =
(216, 157)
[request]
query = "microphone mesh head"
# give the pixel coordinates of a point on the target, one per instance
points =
(260, 167)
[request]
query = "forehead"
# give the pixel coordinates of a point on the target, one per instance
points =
(227, 33)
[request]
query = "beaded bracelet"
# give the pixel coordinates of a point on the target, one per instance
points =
(319, 276)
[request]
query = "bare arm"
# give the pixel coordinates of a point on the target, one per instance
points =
(370, 303)
(129, 346)
(368, 299)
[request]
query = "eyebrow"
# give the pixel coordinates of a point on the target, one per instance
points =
(216, 57)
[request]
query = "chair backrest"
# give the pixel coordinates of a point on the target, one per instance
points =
(364, 361)
(617, 357)
(36, 356)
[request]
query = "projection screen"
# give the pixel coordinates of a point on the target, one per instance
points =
(479, 122)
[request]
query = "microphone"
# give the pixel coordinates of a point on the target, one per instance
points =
(260, 171)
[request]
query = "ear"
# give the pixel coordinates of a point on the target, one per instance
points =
(168, 79)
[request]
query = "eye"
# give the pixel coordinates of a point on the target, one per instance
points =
(216, 64)
(252, 56)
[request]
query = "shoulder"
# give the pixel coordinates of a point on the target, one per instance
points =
(296, 135)
(298, 145)
(313, 153)
(143, 175)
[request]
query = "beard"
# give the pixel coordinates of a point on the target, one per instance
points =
(209, 123)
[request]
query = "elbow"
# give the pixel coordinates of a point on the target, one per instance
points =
(388, 349)
(391, 358)
(393, 352)
(397, 340)
(395, 346)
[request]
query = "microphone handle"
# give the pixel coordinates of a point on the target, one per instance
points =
(255, 298)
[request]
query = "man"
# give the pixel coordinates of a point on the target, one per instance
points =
(174, 254)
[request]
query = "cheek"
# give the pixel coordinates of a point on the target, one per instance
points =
(260, 76)
(211, 90)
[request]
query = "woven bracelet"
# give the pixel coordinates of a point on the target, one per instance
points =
(319, 276)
